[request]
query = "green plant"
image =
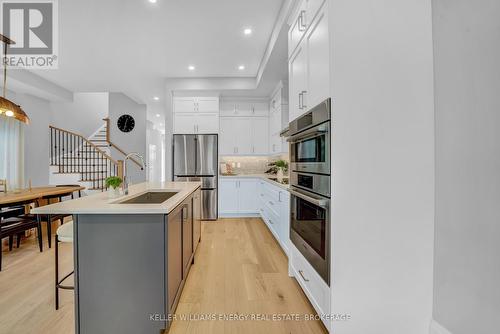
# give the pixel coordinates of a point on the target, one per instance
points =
(113, 182)
(282, 164)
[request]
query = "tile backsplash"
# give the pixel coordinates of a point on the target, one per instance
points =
(250, 164)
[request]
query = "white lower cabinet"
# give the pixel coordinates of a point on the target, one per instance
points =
(316, 290)
(237, 197)
(274, 208)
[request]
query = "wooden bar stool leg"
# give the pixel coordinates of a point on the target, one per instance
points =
(49, 229)
(11, 242)
(56, 240)
(39, 230)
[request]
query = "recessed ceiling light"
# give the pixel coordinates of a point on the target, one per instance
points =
(157, 115)
(247, 31)
(191, 67)
(152, 1)
(241, 67)
(156, 98)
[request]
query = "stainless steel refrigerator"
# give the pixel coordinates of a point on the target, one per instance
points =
(195, 159)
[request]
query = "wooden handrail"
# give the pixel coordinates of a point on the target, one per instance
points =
(86, 141)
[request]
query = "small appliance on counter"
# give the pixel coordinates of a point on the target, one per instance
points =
(310, 187)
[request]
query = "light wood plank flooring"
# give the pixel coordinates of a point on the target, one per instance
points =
(239, 269)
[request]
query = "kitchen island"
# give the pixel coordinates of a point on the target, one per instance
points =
(132, 255)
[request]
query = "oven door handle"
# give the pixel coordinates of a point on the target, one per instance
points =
(319, 202)
(315, 131)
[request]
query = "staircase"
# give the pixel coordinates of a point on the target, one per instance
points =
(75, 159)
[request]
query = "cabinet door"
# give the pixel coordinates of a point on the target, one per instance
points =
(196, 219)
(228, 108)
(318, 61)
(207, 123)
(228, 196)
(185, 123)
(260, 109)
(298, 82)
(228, 135)
(174, 256)
(207, 104)
(187, 238)
(243, 126)
(297, 28)
(284, 199)
(260, 134)
(248, 196)
(184, 104)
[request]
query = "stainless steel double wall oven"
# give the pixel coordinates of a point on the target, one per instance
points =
(310, 169)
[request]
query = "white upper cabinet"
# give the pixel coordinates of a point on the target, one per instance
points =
(207, 104)
(196, 104)
(243, 136)
(278, 119)
(184, 104)
(318, 62)
(304, 15)
(193, 115)
(298, 82)
(260, 135)
(244, 108)
(309, 64)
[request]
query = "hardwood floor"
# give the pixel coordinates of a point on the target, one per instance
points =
(239, 270)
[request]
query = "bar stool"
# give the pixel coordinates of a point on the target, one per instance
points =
(64, 233)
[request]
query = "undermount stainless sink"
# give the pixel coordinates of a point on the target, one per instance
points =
(150, 197)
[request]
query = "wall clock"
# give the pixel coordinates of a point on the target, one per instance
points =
(126, 123)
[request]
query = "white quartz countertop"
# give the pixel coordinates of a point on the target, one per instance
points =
(265, 177)
(101, 203)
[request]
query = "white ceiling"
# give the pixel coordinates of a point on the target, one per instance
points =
(131, 46)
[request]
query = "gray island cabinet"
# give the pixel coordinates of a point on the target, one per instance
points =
(130, 267)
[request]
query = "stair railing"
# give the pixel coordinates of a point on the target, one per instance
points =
(113, 145)
(73, 153)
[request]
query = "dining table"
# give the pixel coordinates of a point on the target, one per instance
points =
(25, 196)
(38, 195)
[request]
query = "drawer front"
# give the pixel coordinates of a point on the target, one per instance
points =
(313, 285)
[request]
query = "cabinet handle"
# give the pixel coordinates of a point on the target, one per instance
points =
(253, 109)
(271, 203)
(235, 108)
(303, 277)
(279, 196)
(253, 149)
(303, 104)
(301, 25)
(300, 100)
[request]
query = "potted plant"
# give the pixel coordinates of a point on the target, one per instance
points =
(282, 167)
(114, 182)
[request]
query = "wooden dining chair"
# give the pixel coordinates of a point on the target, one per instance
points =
(13, 224)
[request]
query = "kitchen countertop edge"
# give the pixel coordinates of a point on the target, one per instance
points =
(100, 203)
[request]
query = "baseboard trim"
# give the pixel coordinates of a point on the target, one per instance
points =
(436, 328)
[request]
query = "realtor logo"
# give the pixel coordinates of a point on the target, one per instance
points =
(32, 25)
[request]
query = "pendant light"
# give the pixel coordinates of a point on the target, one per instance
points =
(7, 107)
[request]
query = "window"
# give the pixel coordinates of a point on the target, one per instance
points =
(12, 152)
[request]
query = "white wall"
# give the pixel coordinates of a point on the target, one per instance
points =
(154, 152)
(383, 165)
(134, 141)
(84, 115)
(467, 77)
(36, 139)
